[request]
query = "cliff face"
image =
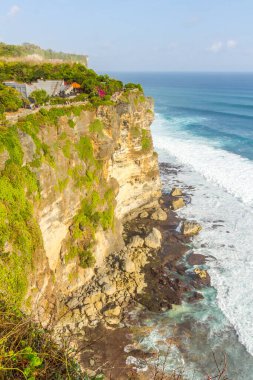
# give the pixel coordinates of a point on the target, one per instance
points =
(93, 169)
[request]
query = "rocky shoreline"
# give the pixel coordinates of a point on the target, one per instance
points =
(156, 241)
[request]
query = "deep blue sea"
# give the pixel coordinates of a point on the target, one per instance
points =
(204, 127)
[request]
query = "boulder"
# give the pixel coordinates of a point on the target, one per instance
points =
(109, 289)
(98, 305)
(190, 228)
(129, 266)
(112, 321)
(113, 312)
(104, 280)
(176, 192)
(136, 241)
(159, 214)
(153, 240)
(144, 214)
(90, 311)
(177, 203)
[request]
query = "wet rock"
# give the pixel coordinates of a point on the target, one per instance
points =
(196, 296)
(176, 192)
(177, 203)
(159, 214)
(190, 228)
(153, 240)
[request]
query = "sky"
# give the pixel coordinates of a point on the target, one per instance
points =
(138, 35)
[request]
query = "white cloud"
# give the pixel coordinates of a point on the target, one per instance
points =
(231, 44)
(216, 47)
(15, 9)
(219, 46)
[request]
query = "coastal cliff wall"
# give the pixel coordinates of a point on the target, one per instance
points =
(81, 172)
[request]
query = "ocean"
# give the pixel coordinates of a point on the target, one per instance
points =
(204, 127)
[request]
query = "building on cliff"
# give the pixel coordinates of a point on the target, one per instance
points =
(52, 87)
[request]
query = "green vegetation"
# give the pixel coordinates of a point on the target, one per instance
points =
(132, 86)
(19, 231)
(90, 81)
(96, 127)
(62, 184)
(139, 99)
(27, 352)
(85, 149)
(71, 123)
(39, 97)
(146, 142)
(10, 99)
(19, 51)
(95, 211)
(67, 149)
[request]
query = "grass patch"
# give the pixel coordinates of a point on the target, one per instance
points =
(96, 127)
(71, 123)
(146, 142)
(28, 351)
(85, 149)
(66, 149)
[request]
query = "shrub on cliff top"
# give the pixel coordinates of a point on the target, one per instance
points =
(132, 86)
(39, 97)
(10, 99)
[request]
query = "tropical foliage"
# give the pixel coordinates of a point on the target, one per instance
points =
(10, 99)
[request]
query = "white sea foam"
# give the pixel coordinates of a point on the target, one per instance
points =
(227, 170)
(223, 192)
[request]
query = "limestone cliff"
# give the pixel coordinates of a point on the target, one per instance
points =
(92, 168)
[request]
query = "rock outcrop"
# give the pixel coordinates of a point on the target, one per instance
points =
(191, 228)
(153, 240)
(159, 214)
(176, 192)
(177, 203)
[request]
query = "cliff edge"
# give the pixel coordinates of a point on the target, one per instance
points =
(70, 176)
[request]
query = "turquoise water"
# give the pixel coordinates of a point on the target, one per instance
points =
(204, 126)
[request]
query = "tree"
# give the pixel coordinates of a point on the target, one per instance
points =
(39, 97)
(10, 99)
